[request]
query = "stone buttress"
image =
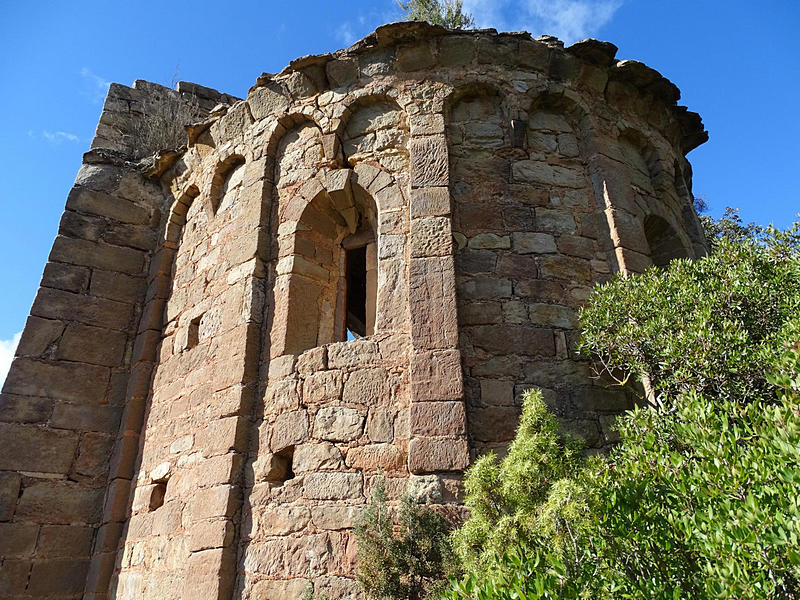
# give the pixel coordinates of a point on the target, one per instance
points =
(351, 276)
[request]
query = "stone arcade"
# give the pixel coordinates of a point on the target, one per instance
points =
(186, 418)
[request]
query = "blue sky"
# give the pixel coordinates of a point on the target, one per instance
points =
(736, 62)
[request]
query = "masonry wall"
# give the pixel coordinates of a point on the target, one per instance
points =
(489, 180)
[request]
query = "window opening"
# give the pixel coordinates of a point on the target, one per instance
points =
(356, 285)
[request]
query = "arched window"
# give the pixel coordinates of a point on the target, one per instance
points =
(665, 244)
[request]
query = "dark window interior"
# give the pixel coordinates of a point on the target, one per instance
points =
(356, 270)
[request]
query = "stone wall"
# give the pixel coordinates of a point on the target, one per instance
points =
(224, 430)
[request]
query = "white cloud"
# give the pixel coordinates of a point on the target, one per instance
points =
(344, 33)
(55, 137)
(569, 20)
(7, 348)
(97, 87)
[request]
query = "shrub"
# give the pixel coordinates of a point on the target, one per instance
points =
(410, 561)
(162, 124)
(699, 499)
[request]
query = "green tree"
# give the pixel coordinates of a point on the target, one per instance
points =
(408, 562)
(699, 498)
(447, 13)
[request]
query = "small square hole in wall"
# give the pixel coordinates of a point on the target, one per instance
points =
(157, 493)
(193, 337)
(281, 467)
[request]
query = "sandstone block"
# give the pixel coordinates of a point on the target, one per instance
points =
(416, 57)
(333, 486)
(438, 419)
(289, 429)
(38, 336)
(9, 492)
(205, 535)
(64, 541)
(65, 277)
(434, 321)
(93, 345)
(63, 577)
(335, 517)
(365, 386)
(214, 502)
(436, 375)
(86, 200)
(316, 457)
(267, 101)
(555, 220)
(538, 172)
(553, 315)
(430, 455)
(18, 540)
(352, 354)
(90, 254)
(456, 50)
(596, 398)
(485, 288)
(489, 241)
(58, 502)
(90, 310)
(280, 589)
(430, 202)
(35, 449)
(429, 160)
(341, 73)
(513, 339)
(312, 361)
(494, 423)
(430, 236)
(338, 423)
(324, 386)
(380, 424)
(565, 267)
(497, 392)
(374, 457)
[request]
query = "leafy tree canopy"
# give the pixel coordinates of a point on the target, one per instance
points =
(447, 13)
(699, 498)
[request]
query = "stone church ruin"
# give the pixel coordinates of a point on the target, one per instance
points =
(353, 273)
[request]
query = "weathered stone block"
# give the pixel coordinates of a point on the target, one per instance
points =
(436, 375)
(289, 429)
(325, 386)
(429, 455)
(36, 449)
(438, 419)
(57, 502)
(431, 236)
(92, 345)
(338, 423)
(316, 457)
(365, 386)
(374, 457)
(429, 160)
(380, 424)
(333, 486)
(9, 492)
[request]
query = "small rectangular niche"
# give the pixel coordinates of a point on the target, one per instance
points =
(193, 337)
(281, 467)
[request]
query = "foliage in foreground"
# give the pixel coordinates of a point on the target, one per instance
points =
(447, 13)
(410, 561)
(699, 500)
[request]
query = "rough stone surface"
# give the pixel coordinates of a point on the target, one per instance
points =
(187, 415)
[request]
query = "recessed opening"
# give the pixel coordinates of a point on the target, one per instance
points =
(665, 243)
(281, 467)
(356, 308)
(157, 493)
(193, 337)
